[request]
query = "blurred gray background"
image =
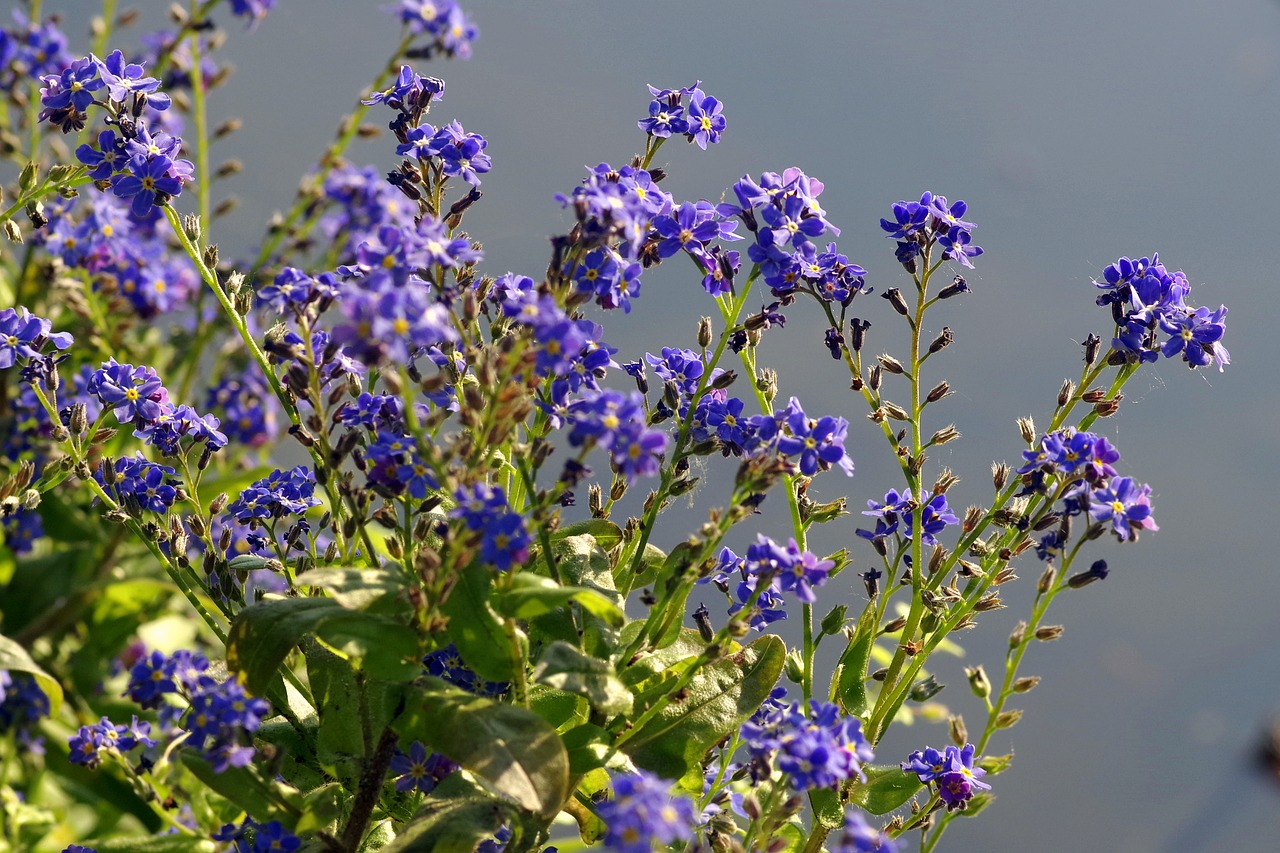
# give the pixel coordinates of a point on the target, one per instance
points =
(1077, 132)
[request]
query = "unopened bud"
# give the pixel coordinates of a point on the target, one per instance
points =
(1008, 719)
(978, 681)
(1097, 572)
(891, 364)
(895, 299)
(1064, 393)
(1047, 578)
(706, 332)
(1091, 347)
(1024, 685)
(947, 433)
(896, 412)
(959, 732)
(957, 286)
(1027, 429)
(873, 378)
(1018, 635)
(1046, 633)
(858, 333)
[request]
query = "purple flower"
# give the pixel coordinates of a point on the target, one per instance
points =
(643, 811)
(820, 442)
(953, 771)
(858, 836)
(1126, 504)
(124, 78)
(819, 749)
(70, 93)
(420, 771)
(1197, 335)
(148, 182)
(705, 122)
(23, 335)
(135, 393)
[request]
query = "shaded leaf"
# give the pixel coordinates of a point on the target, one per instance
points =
(476, 630)
(719, 699)
(533, 595)
(514, 750)
(851, 671)
(565, 668)
(15, 658)
(886, 788)
(605, 533)
(454, 819)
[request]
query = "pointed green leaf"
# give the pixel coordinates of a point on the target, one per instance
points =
(382, 647)
(533, 595)
(512, 749)
(263, 634)
(454, 819)
(565, 668)
(15, 658)
(886, 789)
(476, 630)
(719, 699)
(851, 671)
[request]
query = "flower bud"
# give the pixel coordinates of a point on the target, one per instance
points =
(895, 299)
(1064, 393)
(942, 341)
(702, 617)
(794, 667)
(891, 364)
(1024, 685)
(1018, 635)
(767, 383)
(959, 732)
(871, 579)
(942, 389)
(1027, 429)
(706, 332)
(1045, 633)
(834, 620)
(1091, 346)
(858, 332)
(957, 286)
(1047, 578)
(1096, 572)
(978, 681)
(893, 410)
(947, 433)
(925, 689)
(1008, 719)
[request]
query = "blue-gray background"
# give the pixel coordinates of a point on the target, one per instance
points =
(1077, 132)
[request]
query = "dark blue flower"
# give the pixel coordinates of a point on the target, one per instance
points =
(705, 121)
(1126, 504)
(24, 335)
(419, 770)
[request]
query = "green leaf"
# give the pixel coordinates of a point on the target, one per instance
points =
(718, 700)
(851, 671)
(588, 747)
(154, 844)
(886, 789)
(565, 668)
(976, 805)
(66, 523)
(533, 595)
(15, 658)
(321, 807)
(383, 647)
(476, 630)
(651, 563)
(512, 749)
(454, 819)
(242, 786)
(827, 809)
(263, 634)
(605, 533)
(558, 708)
(358, 589)
(297, 754)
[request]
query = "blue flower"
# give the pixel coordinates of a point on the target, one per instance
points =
(420, 771)
(643, 811)
(1124, 503)
(858, 836)
(953, 771)
(24, 335)
(705, 122)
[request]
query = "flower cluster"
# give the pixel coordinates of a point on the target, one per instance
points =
(919, 224)
(642, 812)
(22, 705)
(141, 166)
(819, 749)
(88, 744)
(688, 111)
(254, 837)
(419, 770)
(139, 484)
(1147, 299)
(447, 664)
(1081, 466)
(504, 539)
(450, 30)
(953, 771)
(23, 336)
(221, 715)
(784, 214)
(900, 510)
(31, 49)
(278, 494)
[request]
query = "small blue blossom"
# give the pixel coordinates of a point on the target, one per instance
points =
(419, 770)
(24, 335)
(1126, 504)
(858, 836)
(643, 811)
(953, 771)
